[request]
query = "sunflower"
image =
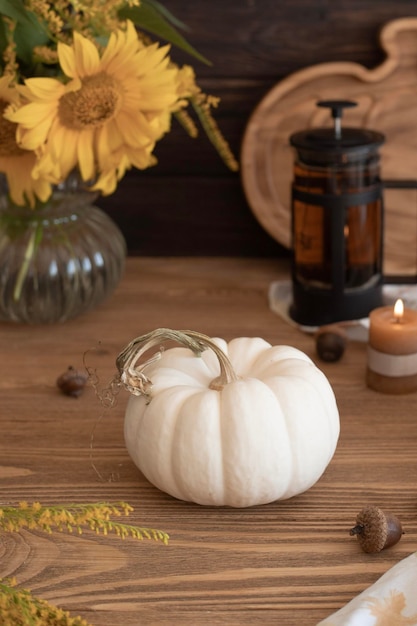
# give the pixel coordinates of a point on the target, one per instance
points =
(108, 114)
(15, 163)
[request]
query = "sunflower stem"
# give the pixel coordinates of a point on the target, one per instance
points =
(33, 243)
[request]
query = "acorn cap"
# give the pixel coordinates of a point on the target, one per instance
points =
(376, 530)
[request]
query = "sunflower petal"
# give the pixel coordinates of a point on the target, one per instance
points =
(44, 88)
(87, 59)
(85, 155)
(67, 60)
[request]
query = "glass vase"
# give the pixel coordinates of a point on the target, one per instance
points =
(59, 260)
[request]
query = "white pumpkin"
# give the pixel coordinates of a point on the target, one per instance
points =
(237, 424)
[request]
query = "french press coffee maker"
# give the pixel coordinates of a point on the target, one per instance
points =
(337, 222)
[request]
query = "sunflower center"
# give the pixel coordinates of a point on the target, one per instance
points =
(93, 105)
(8, 145)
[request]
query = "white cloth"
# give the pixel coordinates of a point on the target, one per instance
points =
(391, 601)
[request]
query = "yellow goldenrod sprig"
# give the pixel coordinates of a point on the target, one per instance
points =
(18, 607)
(50, 15)
(202, 104)
(92, 18)
(74, 517)
(45, 55)
(9, 53)
(182, 116)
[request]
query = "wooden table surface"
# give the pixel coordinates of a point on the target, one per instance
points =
(290, 562)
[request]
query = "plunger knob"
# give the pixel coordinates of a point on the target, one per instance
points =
(337, 107)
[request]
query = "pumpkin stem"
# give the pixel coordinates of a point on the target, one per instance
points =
(132, 375)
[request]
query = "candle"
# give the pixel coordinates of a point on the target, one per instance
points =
(392, 349)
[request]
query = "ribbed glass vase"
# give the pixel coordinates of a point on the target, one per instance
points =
(59, 260)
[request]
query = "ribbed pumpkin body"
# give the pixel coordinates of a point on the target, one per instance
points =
(267, 436)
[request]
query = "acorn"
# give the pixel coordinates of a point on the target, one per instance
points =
(331, 342)
(72, 382)
(376, 530)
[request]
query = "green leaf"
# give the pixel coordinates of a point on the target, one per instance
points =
(149, 17)
(164, 11)
(28, 35)
(14, 9)
(29, 32)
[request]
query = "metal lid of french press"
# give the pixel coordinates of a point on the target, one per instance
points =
(332, 143)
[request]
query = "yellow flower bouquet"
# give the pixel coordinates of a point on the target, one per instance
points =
(85, 95)
(85, 88)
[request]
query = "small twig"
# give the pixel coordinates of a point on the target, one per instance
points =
(108, 399)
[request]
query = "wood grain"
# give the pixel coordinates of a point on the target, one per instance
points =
(285, 563)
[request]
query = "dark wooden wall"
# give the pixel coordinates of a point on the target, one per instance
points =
(190, 204)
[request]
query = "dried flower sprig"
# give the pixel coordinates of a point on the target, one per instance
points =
(18, 607)
(202, 104)
(95, 516)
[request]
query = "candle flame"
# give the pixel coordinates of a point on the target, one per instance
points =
(398, 310)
